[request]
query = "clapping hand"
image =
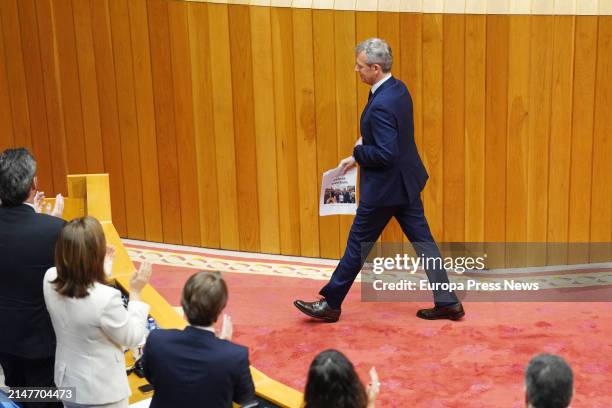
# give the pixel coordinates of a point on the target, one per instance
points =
(373, 388)
(227, 328)
(58, 209)
(108, 260)
(139, 279)
(41, 207)
(39, 198)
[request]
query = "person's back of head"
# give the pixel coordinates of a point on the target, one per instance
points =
(333, 383)
(204, 298)
(79, 257)
(549, 382)
(17, 173)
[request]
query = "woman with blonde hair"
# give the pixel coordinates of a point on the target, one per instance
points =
(90, 321)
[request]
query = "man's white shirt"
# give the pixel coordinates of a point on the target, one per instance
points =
(379, 83)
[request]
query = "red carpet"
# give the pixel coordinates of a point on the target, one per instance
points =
(478, 362)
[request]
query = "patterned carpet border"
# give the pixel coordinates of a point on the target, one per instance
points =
(322, 270)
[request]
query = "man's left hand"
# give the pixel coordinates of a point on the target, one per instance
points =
(58, 209)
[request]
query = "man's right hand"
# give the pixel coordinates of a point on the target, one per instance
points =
(347, 164)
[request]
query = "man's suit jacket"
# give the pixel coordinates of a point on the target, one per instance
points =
(193, 368)
(91, 333)
(392, 172)
(27, 244)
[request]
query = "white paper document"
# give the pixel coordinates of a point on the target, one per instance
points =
(338, 192)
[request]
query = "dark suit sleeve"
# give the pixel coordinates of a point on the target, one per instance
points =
(146, 359)
(385, 150)
(244, 389)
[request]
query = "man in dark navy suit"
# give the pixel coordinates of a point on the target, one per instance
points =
(392, 178)
(192, 367)
(27, 243)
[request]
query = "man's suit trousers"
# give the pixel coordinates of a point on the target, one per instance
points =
(367, 226)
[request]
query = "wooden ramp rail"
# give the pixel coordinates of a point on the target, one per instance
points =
(89, 194)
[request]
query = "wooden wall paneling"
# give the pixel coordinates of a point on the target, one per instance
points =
(601, 197)
(325, 99)
(306, 132)
(36, 94)
(560, 138)
(141, 103)
(432, 151)
(204, 128)
(221, 92)
(264, 127)
(53, 105)
(128, 122)
(184, 122)
(496, 111)
(475, 74)
(244, 124)
(496, 121)
(346, 97)
(9, 15)
(583, 106)
(411, 53)
(70, 90)
(6, 114)
(109, 114)
(145, 118)
(539, 135)
(517, 138)
(389, 30)
(286, 145)
(163, 94)
(454, 128)
(366, 26)
(94, 153)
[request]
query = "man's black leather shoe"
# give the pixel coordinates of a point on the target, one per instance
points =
(453, 312)
(318, 310)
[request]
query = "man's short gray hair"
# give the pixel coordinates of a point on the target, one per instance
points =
(549, 382)
(377, 51)
(17, 171)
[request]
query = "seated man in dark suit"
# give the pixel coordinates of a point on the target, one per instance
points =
(192, 367)
(549, 382)
(27, 243)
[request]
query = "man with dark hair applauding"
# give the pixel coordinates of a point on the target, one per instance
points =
(27, 242)
(192, 367)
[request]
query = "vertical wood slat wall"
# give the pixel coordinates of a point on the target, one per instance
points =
(216, 121)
